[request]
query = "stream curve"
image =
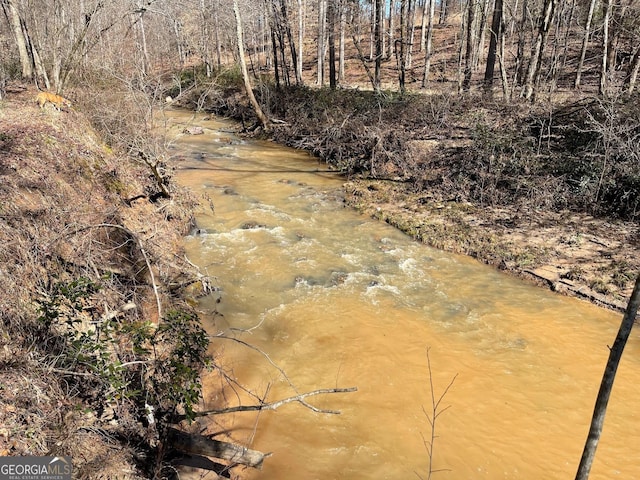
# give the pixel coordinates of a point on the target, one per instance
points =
(335, 299)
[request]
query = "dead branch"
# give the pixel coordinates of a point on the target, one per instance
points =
(275, 405)
(264, 354)
(195, 444)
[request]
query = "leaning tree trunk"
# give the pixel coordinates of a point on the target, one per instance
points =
(600, 409)
(13, 16)
(245, 74)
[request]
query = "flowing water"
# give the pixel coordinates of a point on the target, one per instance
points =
(336, 299)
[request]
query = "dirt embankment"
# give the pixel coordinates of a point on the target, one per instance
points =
(527, 188)
(88, 267)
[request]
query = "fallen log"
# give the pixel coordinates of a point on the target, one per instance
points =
(195, 444)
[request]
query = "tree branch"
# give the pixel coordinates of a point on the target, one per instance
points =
(275, 405)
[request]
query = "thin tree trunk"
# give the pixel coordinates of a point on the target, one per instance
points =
(321, 34)
(600, 409)
(428, 45)
(378, 34)
(331, 26)
(400, 54)
(243, 67)
(444, 12)
(506, 91)
(423, 25)
(411, 19)
(480, 32)
(496, 36)
(301, 23)
(585, 41)
(392, 29)
(520, 63)
(565, 46)
(632, 75)
(602, 87)
(372, 23)
(341, 41)
(468, 61)
(292, 45)
(461, 49)
(537, 53)
(274, 51)
(216, 24)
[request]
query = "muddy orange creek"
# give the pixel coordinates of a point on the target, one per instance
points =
(335, 299)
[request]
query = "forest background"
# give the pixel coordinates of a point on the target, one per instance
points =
(508, 130)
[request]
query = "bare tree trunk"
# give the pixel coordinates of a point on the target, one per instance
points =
(292, 46)
(428, 45)
(506, 91)
(26, 61)
(216, 23)
(392, 29)
(617, 28)
(378, 34)
(143, 40)
(537, 53)
(468, 61)
(411, 18)
(565, 44)
(372, 22)
(423, 25)
(341, 41)
(496, 36)
(274, 52)
(243, 67)
(604, 71)
(461, 49)
(600, 409)
(444, 12)
(520, 63)
(478, 48)
(632, 75)
(41, 72)
(400, 54)
(321, 34)
(301, 23)
(331, 27)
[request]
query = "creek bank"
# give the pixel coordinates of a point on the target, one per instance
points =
(470, 176)
(93, 318)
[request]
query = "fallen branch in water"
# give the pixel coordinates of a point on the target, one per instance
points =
(275, 405)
